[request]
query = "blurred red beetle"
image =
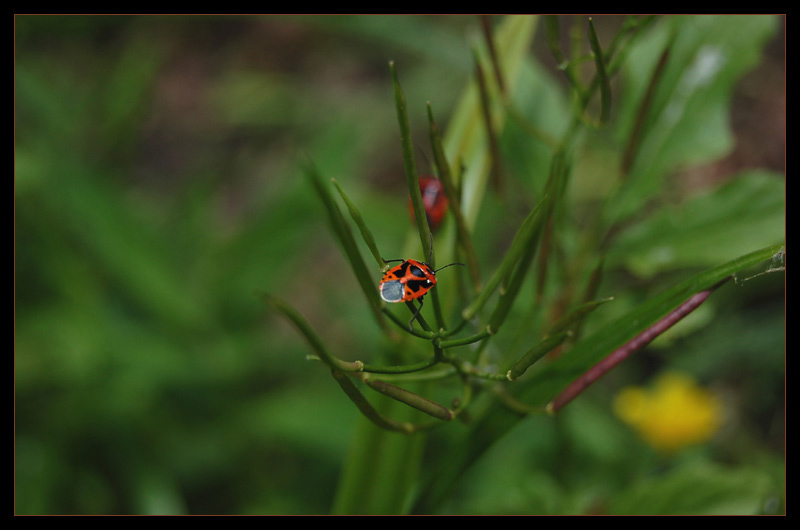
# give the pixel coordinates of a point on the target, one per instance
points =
(434, 200)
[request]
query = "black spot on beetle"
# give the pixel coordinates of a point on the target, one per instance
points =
(403, 269)
(416, 271)
(417, 285)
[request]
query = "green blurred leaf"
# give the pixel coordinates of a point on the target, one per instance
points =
(527, 142)
(592, 348)
(465, 139)
(439, 41)
(687, 120)
(747, 212)
(697, 489)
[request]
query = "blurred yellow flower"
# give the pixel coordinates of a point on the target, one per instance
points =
(673, 414)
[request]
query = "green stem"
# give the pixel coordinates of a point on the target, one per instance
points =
(635, 138)
(534, 354)
(404, 325)
(366, 233)
(364, 406)
(515, 284)
(411, 399)
(572, 319)
(412, 178)
(602, 76)
(463, 235)
(313, 339)
(564, 64)
(521, 241)
(400, 368)
(486, 26)
(345, 236)
(410, 165)
(620, 354)
(491, 135)
(444, 344)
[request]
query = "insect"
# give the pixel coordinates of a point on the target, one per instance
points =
(411, 280)
(434, 200)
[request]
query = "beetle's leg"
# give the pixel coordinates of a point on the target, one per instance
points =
(416, 314)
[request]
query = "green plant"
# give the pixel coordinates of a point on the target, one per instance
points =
(157, 192)
(491, 333)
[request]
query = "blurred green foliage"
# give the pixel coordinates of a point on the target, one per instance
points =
(158, 191)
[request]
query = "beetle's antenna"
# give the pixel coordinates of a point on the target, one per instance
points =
(440, 268)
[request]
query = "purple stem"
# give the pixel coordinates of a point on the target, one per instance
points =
(640, 341)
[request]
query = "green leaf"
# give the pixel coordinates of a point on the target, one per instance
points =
(748, 212)
(605, 340)
(697, 489)
(687, 119)
(547, 382)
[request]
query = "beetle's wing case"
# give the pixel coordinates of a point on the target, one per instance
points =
(392, 291)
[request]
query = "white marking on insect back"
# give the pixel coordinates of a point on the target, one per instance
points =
(392, 291)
